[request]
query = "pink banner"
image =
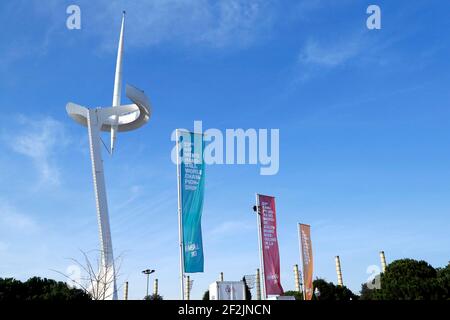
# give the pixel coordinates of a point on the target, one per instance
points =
(270, 253)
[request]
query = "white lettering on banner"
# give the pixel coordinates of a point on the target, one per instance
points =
(268, 229)
(192, 249)
(192, 175)
(306, 246)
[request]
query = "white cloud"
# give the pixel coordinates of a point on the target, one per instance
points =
(215, 24)
(317, 56)
(38, 140)
(223, 23)
(331, 54)
(134, 193)
(11, 218)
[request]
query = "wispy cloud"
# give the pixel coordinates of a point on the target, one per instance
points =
(319, 55)
(330, 54)
(214, 24)
(134, 193)
(11, 218)
(219, 24)
(39, 140)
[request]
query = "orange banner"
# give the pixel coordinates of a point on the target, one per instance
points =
(307, 257)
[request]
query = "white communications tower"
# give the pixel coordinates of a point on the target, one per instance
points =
(117, 118)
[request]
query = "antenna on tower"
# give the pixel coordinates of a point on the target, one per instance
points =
(117, 86)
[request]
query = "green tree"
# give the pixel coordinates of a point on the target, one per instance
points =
(153, 296)
(329, 292)
(39, 289)
(206, 295)
(326, 290)
(344, 293)
(297, 295)
(408, 279)
(11, 289)
(368, 294)
(443, 282)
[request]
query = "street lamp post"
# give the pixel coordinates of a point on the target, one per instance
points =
(148, 272)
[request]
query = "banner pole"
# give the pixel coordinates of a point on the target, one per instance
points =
(180, 216)
(259, 212)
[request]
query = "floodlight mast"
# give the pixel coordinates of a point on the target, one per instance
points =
(118, 118)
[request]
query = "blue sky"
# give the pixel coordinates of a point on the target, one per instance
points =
(363, 118)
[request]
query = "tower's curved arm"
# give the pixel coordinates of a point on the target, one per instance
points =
(126, 117)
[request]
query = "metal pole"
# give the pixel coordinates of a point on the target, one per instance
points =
(301, 283)
(258, 285)
(188, 291)
(383, 261)
(297, 278)
(339, 271)
(155, 287)
(125, 291)
(221, 276)
(148, 277)
(180, 216)
(260, 212)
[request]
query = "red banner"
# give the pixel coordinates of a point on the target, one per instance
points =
(269, 244)
(307, 257)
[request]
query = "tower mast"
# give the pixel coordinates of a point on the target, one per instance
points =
(117, 85)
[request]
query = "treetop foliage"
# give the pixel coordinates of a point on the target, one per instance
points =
(39, 289)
